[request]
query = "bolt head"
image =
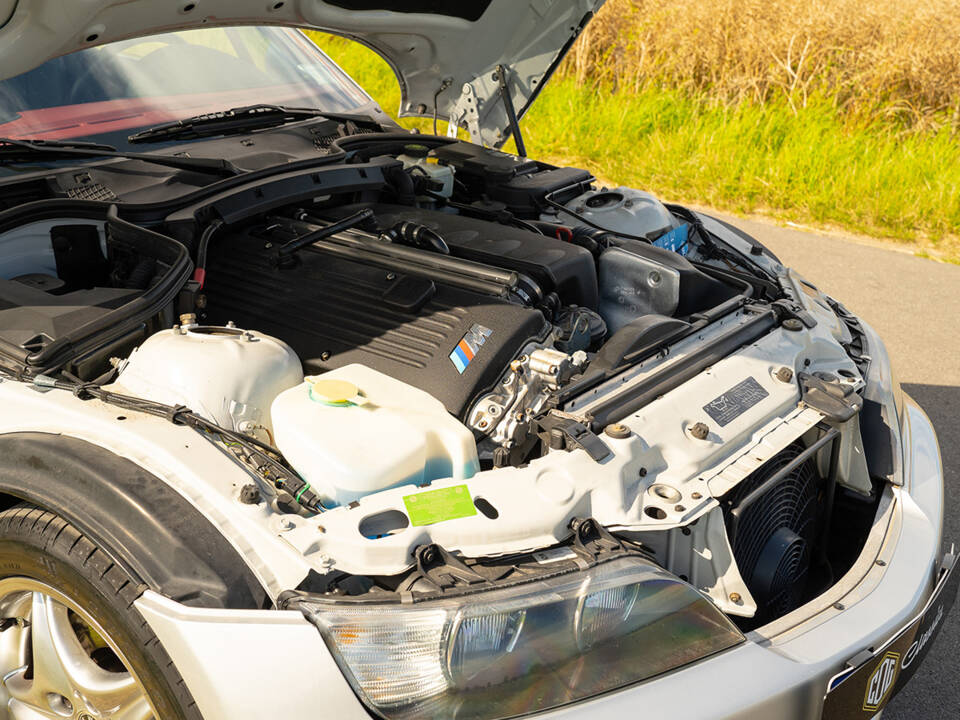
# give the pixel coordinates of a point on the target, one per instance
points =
(250, 494)
(792, 324)
(618, 431)
(785, 374)
(700, 430)
(735, 597)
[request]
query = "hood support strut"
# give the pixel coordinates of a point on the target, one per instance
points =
(511, 112)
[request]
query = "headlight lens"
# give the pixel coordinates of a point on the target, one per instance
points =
(503, 653)
(602, 613)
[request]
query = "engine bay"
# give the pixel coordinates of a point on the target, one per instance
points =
(422, 315)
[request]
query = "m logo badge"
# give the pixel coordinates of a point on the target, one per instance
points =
(881, 681)
(468, 347)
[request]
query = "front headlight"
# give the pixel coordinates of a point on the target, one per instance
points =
(535, 646)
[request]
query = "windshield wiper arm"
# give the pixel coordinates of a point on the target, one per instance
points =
(238, 119)
(17, 150)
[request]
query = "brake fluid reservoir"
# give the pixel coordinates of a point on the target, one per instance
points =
(417, 157)
(353, 431)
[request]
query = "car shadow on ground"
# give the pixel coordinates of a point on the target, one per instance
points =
(932, 694)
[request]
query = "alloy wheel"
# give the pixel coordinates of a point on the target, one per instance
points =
(57, 662)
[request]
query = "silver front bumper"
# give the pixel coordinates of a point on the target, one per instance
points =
(246, 665)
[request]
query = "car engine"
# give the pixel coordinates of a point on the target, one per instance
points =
(426, 315)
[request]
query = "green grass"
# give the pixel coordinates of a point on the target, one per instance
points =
(811, 166)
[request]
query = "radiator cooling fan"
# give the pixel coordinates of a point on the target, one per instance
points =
(777, 535)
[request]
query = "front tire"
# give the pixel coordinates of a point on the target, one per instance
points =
(72, 644)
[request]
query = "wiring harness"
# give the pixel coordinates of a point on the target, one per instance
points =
(265, 459)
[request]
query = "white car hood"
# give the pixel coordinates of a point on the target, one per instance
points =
(447, 50)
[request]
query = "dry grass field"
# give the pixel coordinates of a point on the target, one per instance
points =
(890, 60)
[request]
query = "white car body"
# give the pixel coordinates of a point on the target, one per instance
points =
(665, 478)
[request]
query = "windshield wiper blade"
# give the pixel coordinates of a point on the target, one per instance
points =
(16, 150)
(68, 144)
(238, 119)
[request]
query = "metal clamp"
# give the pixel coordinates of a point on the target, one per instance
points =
(574, 434)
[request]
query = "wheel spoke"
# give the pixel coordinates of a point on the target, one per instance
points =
(113, 694)
(136, 709)
(22, 711)
(13, 642)
(50, 633)
(38, 673)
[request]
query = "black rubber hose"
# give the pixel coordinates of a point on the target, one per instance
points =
(200, 272)
(142, 273)
(416, 235)
(402, 185)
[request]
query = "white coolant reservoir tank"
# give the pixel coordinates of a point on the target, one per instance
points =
(417, 156)
(227, 375)
(353, 431)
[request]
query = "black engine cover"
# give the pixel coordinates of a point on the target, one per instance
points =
(519, 183)
(556, 266)
(334, 311)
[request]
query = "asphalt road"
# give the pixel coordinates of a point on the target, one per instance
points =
(914, 304)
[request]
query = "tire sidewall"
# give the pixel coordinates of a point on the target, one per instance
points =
(33, 556)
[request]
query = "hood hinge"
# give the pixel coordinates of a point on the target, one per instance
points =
(465, 112)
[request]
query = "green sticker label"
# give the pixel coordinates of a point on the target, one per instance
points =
(433, 506)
